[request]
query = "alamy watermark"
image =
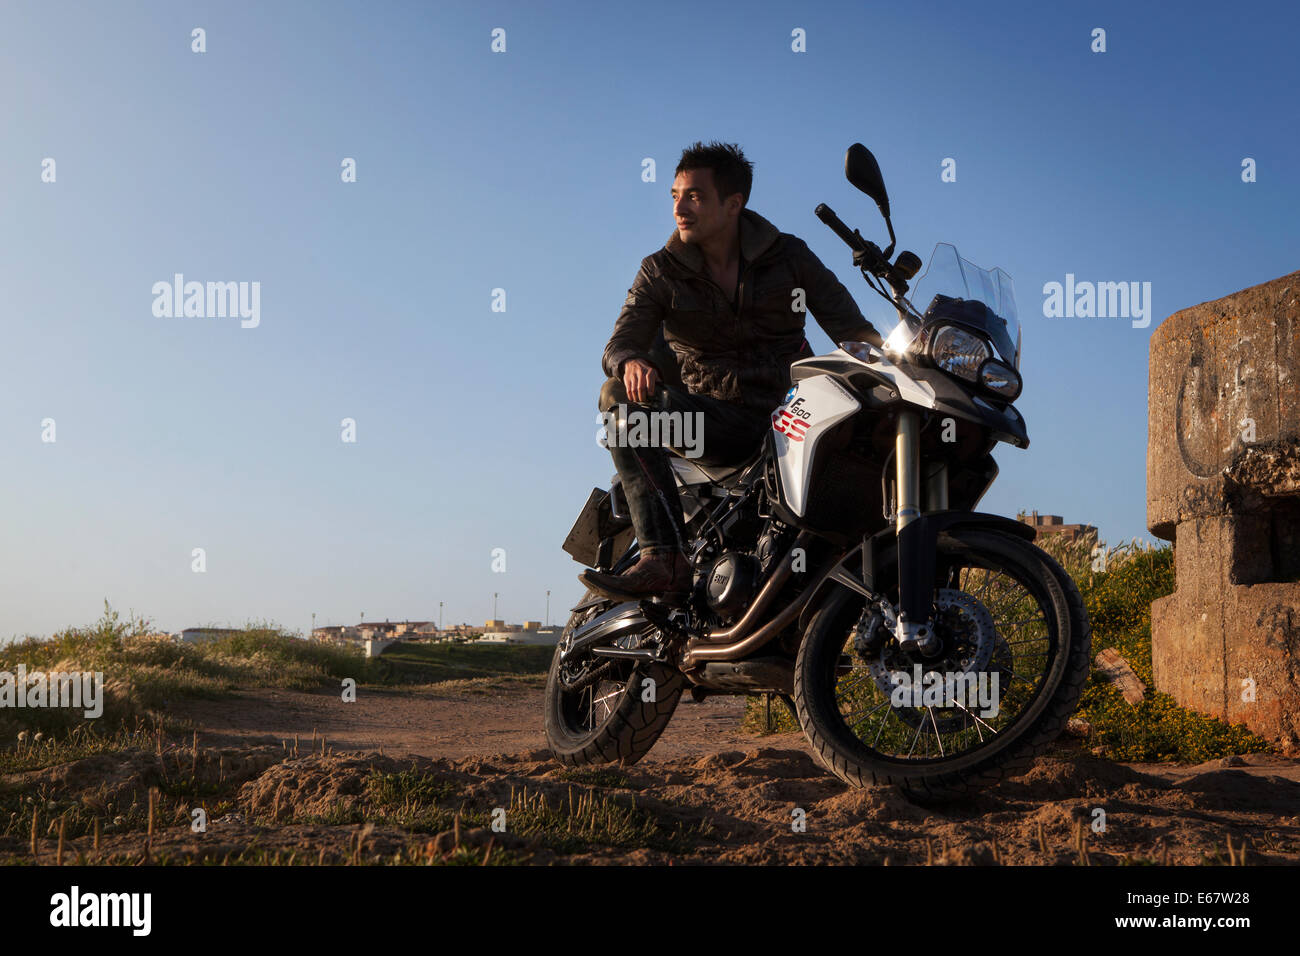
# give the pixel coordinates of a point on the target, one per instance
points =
(1100, 300)
(966, 689)
(127, 910)
(637, 428)
(82, 690)
(208, 300)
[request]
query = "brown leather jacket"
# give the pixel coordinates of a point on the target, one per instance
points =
(743, 358)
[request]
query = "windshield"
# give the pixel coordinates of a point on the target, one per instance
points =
(948, 274)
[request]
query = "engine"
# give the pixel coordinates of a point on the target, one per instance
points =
(735, 577)
(731, 583)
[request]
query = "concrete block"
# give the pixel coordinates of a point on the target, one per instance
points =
(1223, 483)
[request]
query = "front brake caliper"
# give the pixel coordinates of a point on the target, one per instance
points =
(873, 630)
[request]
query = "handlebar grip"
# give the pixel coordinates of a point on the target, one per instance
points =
(827, 215)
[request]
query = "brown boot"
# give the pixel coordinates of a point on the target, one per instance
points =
(663, 573)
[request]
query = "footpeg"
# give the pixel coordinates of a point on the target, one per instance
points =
(660, 614)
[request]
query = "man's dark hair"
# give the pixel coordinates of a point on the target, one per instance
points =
(732, 172)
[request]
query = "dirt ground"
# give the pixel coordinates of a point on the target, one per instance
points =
(462, 719)
(738, 795)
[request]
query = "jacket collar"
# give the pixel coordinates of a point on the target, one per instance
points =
(756, 236)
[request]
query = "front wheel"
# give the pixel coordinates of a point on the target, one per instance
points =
(1010, 669)
(604, 710)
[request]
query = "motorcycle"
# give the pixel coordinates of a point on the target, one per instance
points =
(920, 643)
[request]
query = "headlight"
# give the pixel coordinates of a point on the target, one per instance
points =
(1000, 379)
(958, 352)
(860, 350)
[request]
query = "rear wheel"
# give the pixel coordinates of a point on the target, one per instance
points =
(1011, 667)
(603, 710)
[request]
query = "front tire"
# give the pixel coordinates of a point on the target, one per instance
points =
(827, 683)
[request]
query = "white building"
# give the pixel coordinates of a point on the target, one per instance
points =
(531, 632)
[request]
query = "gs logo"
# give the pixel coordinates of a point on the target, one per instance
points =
(792, 422)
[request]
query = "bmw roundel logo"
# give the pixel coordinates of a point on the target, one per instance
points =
(790, 394)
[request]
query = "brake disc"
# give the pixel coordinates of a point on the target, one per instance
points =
(971, 642)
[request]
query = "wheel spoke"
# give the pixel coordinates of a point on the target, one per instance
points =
(935, 725)
(978, 721)
(919, 724)
(852, 682)
(853, 723)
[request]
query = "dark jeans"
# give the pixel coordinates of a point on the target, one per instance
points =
(724, 434)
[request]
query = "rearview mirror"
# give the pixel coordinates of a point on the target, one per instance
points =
(862, 170)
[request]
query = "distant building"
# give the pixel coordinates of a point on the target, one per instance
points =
(540, 635)
(376, 646)
(378, 635)
(358, 634)
(392, 629)
(1052, 524)
(530, 632)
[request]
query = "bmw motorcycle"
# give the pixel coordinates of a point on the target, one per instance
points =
(921, 644)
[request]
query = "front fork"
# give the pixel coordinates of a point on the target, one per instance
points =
(914, 626)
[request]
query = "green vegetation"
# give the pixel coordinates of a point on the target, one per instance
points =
(34, 750)
(410, 855)
(763, 717)
(145, 672)
(183, 777)
(610, 777)
(1119, 606)
(589, 819)
(417, 663)
(580, 819)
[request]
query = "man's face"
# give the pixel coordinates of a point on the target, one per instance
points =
(699, 213)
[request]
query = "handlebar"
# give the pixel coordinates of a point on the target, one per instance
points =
(873, 260)
(827, 215)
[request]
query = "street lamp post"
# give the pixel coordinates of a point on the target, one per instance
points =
(548, 608)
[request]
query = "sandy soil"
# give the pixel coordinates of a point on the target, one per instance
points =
(738, 793)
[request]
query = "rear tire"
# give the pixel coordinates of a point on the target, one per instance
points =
(614, 724)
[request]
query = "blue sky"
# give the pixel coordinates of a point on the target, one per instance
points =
(522, 170)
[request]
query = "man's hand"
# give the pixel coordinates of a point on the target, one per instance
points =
(640, 379)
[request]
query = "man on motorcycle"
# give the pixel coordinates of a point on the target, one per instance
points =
(727, 293)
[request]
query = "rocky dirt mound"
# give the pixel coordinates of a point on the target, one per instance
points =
(764, 805)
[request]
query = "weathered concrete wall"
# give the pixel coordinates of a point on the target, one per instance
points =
(1223, 483)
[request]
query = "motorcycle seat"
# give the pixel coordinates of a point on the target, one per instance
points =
(691, 472)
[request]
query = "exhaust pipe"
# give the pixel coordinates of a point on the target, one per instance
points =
(766, 595)
(698, 652)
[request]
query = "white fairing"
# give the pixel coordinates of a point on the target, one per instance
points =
(811, 408)
(908, 388)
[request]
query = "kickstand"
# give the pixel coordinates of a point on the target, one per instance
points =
(767, 709)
